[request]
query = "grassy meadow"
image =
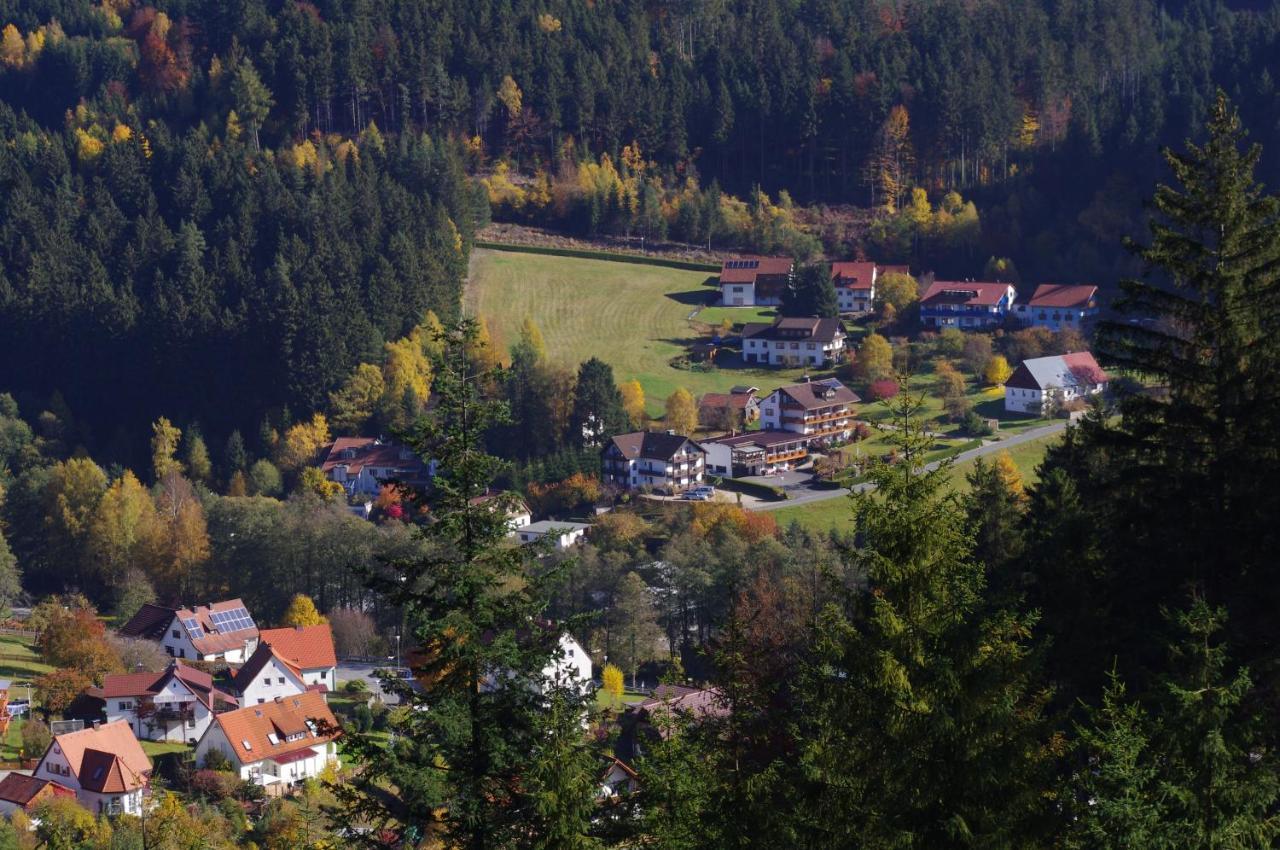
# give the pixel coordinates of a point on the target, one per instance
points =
(634, 317)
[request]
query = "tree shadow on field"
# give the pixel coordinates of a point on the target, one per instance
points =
(693, 298)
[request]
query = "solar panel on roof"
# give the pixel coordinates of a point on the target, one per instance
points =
(193, 627)
(233, 620)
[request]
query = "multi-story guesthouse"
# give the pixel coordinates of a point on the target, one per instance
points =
(221, 631)
(793, 342)
(664, 462)
(175, 705)
(363, 464)
(1042, 383)
(754, 281)
(1058, 306)
(855, 283)
(754, 453)
(965, 304)
(104, 766)
(278, 744)
(819, 411)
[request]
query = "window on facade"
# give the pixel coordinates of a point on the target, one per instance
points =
(810, 346)
(125, 706)
(795, 345)
(280, 680)
(779, 345)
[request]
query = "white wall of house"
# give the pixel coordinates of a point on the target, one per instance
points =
(266, 771)
(1018, 400)
(792, 353)
(564, 540)
(152, 728)
(854, 300)
(327, 676)
(274, 680)
(719, 458)
(54, 766)
(1053, 318)
(574, 665)
(738, 294)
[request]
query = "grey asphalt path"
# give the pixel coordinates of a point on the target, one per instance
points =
(801, 497)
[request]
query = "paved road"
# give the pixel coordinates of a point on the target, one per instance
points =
(348, 670)
(809, 494)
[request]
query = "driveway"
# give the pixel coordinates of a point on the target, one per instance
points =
(805, 492)
(363, 670)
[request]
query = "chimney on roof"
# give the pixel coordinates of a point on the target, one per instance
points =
(804, 379)
(671, 432)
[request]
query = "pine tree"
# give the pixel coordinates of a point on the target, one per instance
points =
(996, 504)
(468, 764)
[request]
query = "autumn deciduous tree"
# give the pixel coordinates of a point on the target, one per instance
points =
(354, 632)
(633, 403)
(875, 358)
(896, 290)
(126, 530)
(302, 442)
(165, 437)
(302, 612)
(185, 531)
(613, 683)
(352, 404)
(889, 169)
(682, 412)
(997, 370)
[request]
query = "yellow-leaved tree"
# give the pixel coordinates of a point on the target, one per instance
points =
(682, 412)
(612, 679)
(633, 402)
(302, 611)
(302, 442)
(164, 445)
(997, 371)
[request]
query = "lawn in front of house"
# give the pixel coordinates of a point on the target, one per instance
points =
(161, 748)
(20, 660)
(633, 316)
(1026, 457)
(605, 700)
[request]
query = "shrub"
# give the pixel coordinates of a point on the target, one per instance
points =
(216, 760)
(975, 425)
(883, 389)
(362, 718)
(36, 738)
(216, 785)
(356, 687)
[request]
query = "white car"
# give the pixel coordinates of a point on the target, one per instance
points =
(695, 496)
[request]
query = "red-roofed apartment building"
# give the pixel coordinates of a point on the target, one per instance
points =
(965, 304)
(278, 744)
(754, 281)
(363, 464)
(221, 631)
(104, 765)
(855, 283)
(1058, 305)
(177, 704)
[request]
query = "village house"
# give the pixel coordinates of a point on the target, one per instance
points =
(19, 791)
(729, 411)
(267, 676)
(565, 533)
(221, 631)
(309, 649)
(518, 513)
(965, 304)
(1043, 384)
(175, 705)
(363, 464)
(755, 453)
(664, 462)
(1057, 306)
(855, 283)
(793, 342)
(820, 411)
(278, 744)
(651, 719)
(104, 766)
(754, 281)
(617, 779)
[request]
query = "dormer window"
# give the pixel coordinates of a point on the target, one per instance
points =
(247, 746)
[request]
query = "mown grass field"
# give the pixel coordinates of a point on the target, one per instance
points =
(634, 317)
(19, 660)
(837, 513)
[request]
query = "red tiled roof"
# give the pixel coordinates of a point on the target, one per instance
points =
(255, 723)
(307, 647)
(1062, 295)
(87, 748)
(747, 269)
(965, 292)
(103, 773)
(212, 641)
(198, 682)
(853, 275)
(719, 400)
(370, 451)
(21, 789)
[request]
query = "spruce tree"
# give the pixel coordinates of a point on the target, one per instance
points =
(923, 728)
(469, 763)
(597, 405)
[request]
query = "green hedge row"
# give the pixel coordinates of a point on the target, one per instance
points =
(752, 488)
(586, 254)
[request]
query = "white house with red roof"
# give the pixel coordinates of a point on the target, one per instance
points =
(308, 648)
(266, 676)
(220, 631)
(363, 464)
(276, 744)
(855, 283)
(1058, 306)
(175, 705)
(754, 281)
(104, 765)
(1043, 382)
(814, 410)
(19, 791)
(965, 304)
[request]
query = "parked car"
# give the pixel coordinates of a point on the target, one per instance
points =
(695, 496)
